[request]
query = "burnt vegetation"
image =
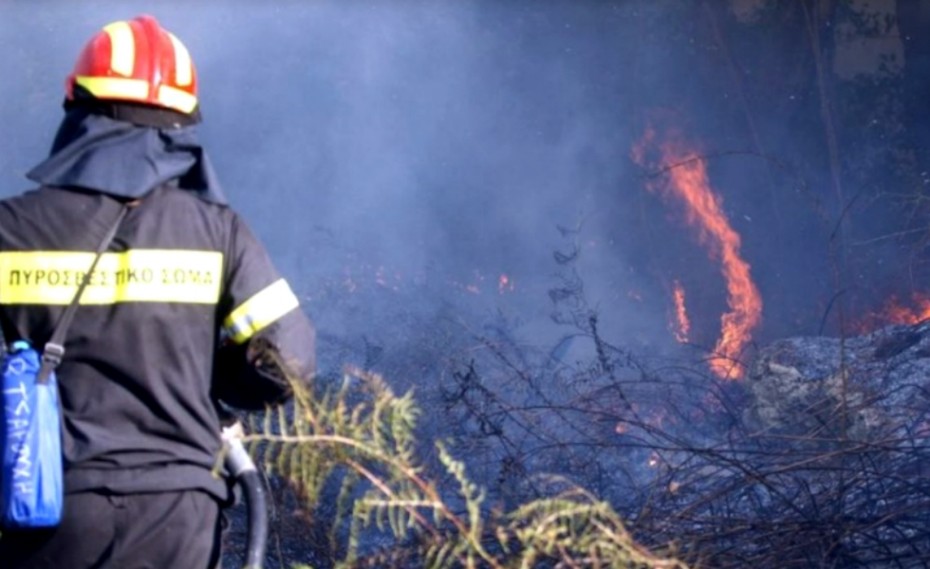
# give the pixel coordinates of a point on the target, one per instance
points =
(589, 453)
(731, 473)
(594, 456)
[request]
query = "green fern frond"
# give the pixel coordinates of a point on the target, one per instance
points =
(363, 435)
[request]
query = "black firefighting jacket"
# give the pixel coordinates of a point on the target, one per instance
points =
(183, 309)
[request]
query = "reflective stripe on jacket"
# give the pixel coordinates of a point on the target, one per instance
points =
(182, 309)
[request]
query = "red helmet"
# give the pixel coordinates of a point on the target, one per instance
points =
(137, 61)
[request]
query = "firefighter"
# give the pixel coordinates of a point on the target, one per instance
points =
(184, 309)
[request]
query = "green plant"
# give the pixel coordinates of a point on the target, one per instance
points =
(362, 436)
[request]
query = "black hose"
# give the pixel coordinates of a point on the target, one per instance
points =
(242, 469)
(253, 488)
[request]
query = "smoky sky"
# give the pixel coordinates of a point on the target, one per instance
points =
(450, 140)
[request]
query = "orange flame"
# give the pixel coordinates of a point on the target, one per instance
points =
(688, 181)
(683, 323)
(895, 312)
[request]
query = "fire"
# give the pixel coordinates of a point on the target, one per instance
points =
(896, 312)
(683, 323)
(687, 181)
(505, 284)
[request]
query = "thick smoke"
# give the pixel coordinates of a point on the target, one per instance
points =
(442, 144)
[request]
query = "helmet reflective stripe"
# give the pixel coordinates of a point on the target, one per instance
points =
(114, 87)
(262, 309)
(176, 99)
(122, 48)
(183, 70)
(135, 89)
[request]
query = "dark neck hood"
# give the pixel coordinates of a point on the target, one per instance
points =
(98, 153)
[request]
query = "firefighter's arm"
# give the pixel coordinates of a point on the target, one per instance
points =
(267, 342)
(260, 370)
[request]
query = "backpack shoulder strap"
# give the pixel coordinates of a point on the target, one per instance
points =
(54, 349)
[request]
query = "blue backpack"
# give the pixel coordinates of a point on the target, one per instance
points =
(32, 477)
(31, 493)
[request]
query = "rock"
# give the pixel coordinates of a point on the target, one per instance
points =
(858, 386)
